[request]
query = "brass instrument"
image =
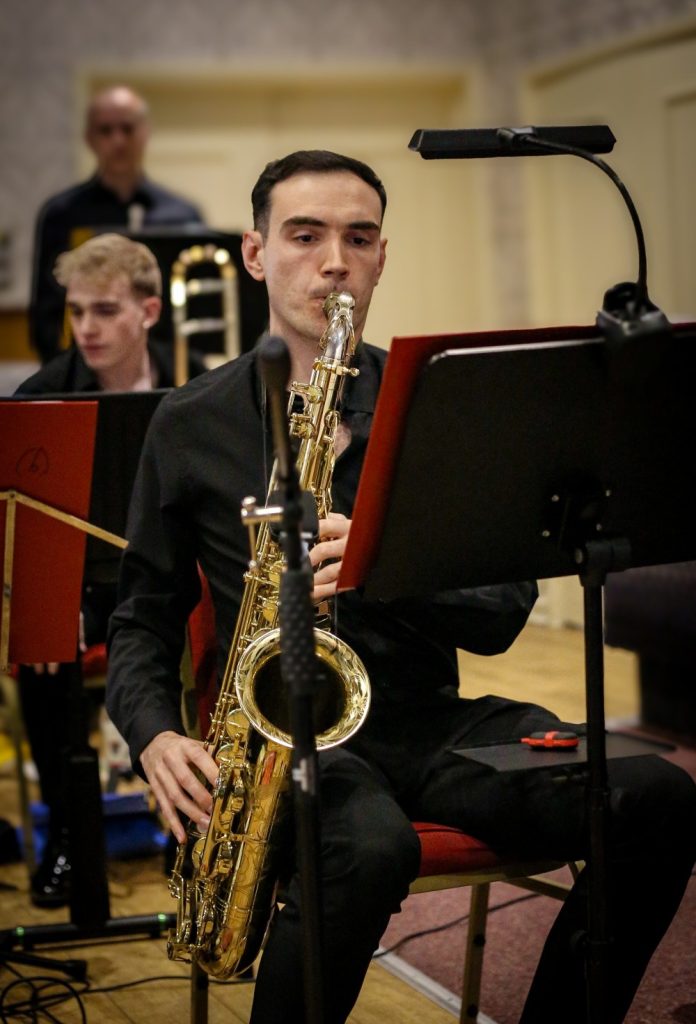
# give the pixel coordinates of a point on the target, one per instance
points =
(182, 287)
(225, 878)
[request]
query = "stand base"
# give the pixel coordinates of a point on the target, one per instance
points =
(153, 926)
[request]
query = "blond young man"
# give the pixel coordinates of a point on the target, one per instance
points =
(113, 288)
(114, 296)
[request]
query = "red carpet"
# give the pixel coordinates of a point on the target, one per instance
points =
(516, 935)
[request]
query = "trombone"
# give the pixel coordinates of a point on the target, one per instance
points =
(182, 287)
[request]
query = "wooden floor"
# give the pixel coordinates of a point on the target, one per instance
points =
(547, 666)
(543, 665)
(139, 888)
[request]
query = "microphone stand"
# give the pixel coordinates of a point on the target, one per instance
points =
(298, 670)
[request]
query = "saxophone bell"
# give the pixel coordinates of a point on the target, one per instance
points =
(342, 692)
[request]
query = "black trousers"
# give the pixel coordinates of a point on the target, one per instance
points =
(56, 709)
(400, 768)
(47, 703)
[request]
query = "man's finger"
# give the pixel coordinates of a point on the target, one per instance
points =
(170, 815)
(202, 759)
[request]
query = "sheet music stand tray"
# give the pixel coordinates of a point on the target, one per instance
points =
(519, 455)
(50, 451)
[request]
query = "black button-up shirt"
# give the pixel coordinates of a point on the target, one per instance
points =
(68, 372)
(209, 446)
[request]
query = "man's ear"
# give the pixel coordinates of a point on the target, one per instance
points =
(252, 254)
(152, 308)
(382, 258)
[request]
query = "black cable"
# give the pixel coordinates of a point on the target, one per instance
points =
(451, 924)
(37, 1005)
(41, 998)
(163, 977)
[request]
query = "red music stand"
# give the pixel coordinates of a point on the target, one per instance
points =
(45, 484)
(46, 469)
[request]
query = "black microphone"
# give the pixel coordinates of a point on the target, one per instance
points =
(274, 359)
(467, 143)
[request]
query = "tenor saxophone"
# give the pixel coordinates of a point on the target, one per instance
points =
(225, 877)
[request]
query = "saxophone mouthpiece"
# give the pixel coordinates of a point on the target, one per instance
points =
(337, 302)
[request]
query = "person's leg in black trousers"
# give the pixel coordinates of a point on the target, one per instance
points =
(44, 702)
(651, 851)
(369, 855)
(56, 714)
(651, 848)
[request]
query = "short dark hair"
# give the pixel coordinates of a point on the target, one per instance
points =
(313, 160)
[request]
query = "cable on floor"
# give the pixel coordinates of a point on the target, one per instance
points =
(450, 924)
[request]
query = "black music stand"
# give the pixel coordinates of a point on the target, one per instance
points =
(523, 455)
(123, 416)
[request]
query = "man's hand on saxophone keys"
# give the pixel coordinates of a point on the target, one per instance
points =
(170, 762)
(326, 555)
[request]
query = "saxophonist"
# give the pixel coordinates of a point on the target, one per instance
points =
(317, 229)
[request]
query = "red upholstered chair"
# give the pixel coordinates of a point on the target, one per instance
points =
(449, 857)
(199, 664)
(94, 665)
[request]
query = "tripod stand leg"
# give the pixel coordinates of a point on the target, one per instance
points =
(199, 995)
(89, 889)
(598, 939)
(11, 699)
(76, 969)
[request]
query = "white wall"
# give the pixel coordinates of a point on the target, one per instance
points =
(46, 46)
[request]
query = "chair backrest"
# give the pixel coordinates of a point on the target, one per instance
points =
(202, 646)
(94, 662)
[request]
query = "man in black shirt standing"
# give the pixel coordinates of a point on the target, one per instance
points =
(317, 229)
(118, 193)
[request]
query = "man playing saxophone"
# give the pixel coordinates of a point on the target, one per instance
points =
(317, 229)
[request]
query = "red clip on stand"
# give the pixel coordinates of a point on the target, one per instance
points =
(553, 740)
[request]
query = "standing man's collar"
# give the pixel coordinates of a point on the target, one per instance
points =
(143, 192)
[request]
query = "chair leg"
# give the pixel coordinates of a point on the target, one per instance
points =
(16, 729)
(473, 962)
(199, 995)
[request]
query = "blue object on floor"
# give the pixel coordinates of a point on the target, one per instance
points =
(131, 829)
